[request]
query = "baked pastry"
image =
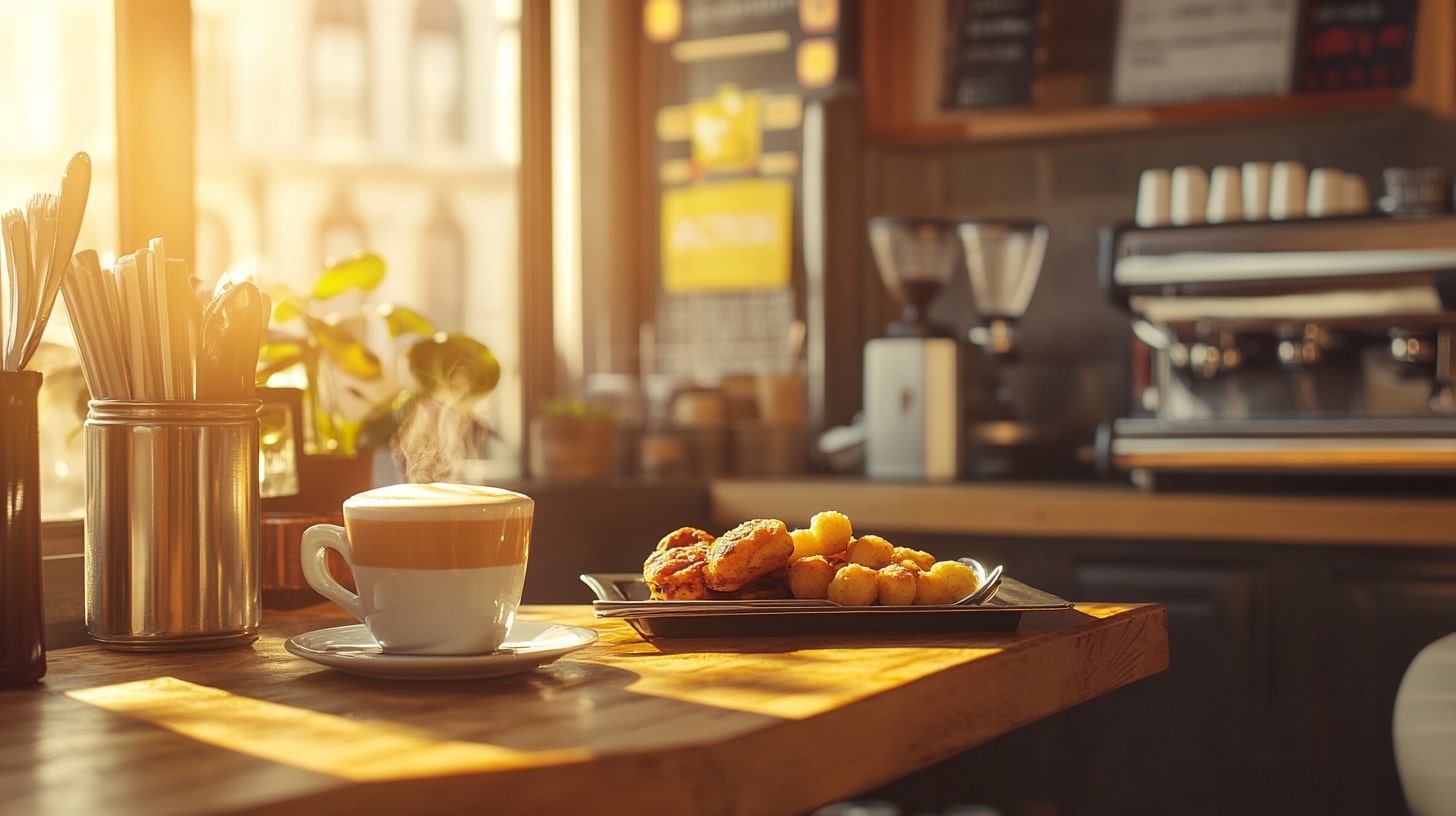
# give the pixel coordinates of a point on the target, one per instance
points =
(748, 552)
(684, 537)
(676, 573)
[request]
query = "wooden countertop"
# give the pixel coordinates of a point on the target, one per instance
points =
(748, 726)
(1091, 510)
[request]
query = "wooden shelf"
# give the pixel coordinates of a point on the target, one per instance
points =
(902, 54)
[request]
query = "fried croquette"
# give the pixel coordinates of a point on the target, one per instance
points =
(961, 578)
(762, 559)
(945, 583)
(749, 551)
(810, 577)
(932, 589)
(833, 529)
(806, 544)
(871, 550)
(677, 574)
(854, 585)
(896, 585)
(684, 537)
(921, 559)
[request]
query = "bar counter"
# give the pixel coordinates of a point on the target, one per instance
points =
(733, 726)
(1094, 510)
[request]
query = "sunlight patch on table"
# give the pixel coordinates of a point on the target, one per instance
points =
(309, 740)
(795, 688)
(1102, 610)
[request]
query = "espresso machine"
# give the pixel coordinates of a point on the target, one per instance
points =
(935, 407)
(1300, 352)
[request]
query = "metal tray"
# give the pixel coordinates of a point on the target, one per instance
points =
(625, 596)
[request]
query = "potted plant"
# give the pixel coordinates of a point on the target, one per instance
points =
(355, 400)
(573, 440)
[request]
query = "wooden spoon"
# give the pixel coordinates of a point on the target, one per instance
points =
(17, 257)
(70, 206)
(231, 335)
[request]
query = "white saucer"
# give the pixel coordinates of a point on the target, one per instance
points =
(352, 649)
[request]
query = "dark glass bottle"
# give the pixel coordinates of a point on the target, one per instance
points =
(22, 620)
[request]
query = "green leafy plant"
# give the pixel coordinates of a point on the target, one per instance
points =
(310, 333)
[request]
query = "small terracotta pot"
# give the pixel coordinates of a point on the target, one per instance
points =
(573, 449)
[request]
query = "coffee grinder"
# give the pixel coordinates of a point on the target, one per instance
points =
(912, 407)
(1003, 259)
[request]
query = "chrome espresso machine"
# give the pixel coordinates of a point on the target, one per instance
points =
(1299, 351)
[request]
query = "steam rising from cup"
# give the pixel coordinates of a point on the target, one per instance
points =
(435, 440)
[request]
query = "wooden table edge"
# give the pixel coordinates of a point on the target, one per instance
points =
(791, 768)
(776, 763)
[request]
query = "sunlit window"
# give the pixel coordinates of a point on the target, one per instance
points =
(327, 127)
(506, 90)
(58, 94)
(323, 128)
(338, 62)
(438, 76)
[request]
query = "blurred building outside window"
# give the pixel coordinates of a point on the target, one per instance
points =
(400, 141)
(324, 127)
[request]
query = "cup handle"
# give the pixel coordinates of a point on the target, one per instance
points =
(317, 541)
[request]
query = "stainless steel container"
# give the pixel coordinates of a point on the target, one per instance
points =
(172, 524)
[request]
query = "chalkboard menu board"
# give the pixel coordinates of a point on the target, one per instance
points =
(1016, 53)
(1354, 44)
(1182, 50)
(990, 52)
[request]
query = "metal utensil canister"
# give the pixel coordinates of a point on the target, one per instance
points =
(22, 618)
(172, 524)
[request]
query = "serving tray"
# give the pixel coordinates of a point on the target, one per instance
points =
(625, 596)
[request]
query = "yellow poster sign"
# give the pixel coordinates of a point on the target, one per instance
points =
(727, 130)
(729, 235)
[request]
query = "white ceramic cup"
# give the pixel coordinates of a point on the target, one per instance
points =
(1325, 196)
(1287, 183)
(1153, 201)
(439, 567)
(1189, 195)
(1255, 185)
(1225, 196)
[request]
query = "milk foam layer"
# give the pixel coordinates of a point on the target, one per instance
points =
(437, 501)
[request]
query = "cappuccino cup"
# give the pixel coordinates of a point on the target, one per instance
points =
(439, 567)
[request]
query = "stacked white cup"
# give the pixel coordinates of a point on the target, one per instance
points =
(1254, 191)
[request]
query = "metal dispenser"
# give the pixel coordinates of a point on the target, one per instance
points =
(912, 405)
(1003, 260)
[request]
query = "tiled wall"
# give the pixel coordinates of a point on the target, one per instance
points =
(1075, 343)
(710, 335)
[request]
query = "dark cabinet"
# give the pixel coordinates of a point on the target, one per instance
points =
(1218, 694)
(1284, 662)
(1381, 608)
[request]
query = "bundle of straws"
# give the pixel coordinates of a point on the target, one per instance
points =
(146, 334)
(38, 243)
